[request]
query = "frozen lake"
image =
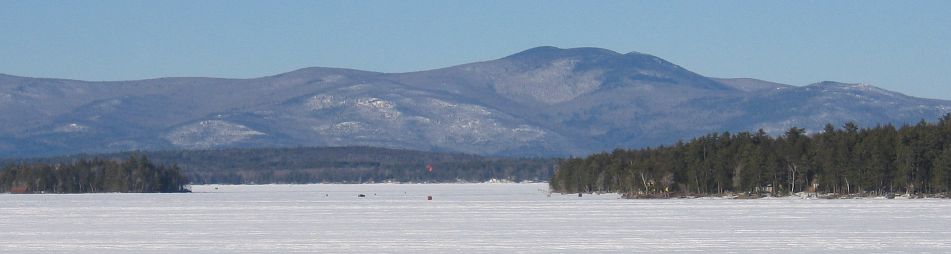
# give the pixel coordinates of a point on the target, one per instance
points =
(462, 218)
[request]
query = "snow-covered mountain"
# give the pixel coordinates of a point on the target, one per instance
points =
(543, 101)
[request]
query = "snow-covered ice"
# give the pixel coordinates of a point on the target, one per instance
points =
(461, 218)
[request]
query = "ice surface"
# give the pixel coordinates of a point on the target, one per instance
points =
(461, 218)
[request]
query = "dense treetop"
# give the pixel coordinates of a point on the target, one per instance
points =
(847, 160)
(136, 174)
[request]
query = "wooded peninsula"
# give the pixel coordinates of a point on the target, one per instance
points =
(136, 174)
(300, 165)
(847, 161)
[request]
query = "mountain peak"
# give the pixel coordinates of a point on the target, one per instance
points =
(592, 55)
(602, 68)
(550, 52)
(320, 71)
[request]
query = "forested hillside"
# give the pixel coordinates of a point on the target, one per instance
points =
(137, 174)
(545, 101)
(847, 160)
(337, 165)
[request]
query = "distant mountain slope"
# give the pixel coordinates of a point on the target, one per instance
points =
(543, 101)
(751, 85)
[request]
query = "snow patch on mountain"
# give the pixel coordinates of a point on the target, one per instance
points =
(444, 108)
(478, 130)
(321, 102)
(378, 107)
(71, 128)
(526, 133)
(209, 134)
(368, 106)
(860, 90)
(551, 84)
(358, 87)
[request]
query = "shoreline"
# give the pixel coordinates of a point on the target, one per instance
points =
(798, 195)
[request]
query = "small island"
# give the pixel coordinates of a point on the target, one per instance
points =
(135, 175)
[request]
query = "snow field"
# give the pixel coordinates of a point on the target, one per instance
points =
(461, 218)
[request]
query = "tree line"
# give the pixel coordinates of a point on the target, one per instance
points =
(337, 165)
(136, 174)
(848, 160)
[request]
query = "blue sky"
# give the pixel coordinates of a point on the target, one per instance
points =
(898, 45)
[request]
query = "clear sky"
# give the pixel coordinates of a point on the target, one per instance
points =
(903, 46)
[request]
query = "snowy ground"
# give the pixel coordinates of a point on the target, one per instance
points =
(461, 218)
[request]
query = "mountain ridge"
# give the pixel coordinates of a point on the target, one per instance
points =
(541, 101)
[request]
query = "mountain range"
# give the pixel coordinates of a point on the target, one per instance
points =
(543, 101)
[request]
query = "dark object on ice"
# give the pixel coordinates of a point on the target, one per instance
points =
(579, 195)
(361, 196)
(429, 197)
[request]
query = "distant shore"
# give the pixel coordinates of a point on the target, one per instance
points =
(798, 195)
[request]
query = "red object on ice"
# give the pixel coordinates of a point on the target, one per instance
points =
(19, 189)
